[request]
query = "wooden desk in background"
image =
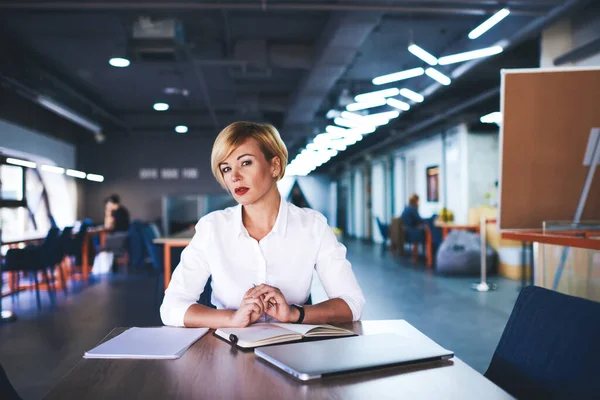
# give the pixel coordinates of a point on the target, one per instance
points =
(212, 369)
(180, 240)
(447, 227)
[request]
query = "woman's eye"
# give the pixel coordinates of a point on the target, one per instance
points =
(226, 169)
(244, 163)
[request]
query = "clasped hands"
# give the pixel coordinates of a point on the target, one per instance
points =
(263, 299)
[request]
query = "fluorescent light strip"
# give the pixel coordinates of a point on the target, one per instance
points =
(422, 54)
(76, 174)
(398, 104)
(398, 76)
(352, 116)
(364, 105)
(21, 163)
(470, 55)
(53, 169)
(377, 94)
(489, 23)
(331, 114)
(64, 112)
(438, 76)
(492, 118)
(95, 178)
(414, 96)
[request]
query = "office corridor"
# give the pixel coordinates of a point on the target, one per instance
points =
(49, 343)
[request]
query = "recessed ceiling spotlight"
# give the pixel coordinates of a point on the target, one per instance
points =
(119, 62)
(181, 129)
(161, 106)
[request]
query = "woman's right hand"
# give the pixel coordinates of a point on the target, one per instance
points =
(249, 312)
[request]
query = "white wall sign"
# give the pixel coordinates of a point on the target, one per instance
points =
(148, 173)
(168, 173)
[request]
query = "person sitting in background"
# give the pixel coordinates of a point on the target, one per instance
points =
(116, 216)
(116, 221)
(262, 253)
(410, 216)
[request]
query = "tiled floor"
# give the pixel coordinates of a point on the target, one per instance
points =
(41, 347)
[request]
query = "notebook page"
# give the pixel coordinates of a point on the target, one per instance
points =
(255, 333)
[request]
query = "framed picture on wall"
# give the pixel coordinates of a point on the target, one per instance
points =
(433, 184)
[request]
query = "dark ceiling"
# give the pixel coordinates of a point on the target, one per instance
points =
(284, 62)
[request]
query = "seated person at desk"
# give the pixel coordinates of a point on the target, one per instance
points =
(116, 221)
(263, 241)
(415, 232)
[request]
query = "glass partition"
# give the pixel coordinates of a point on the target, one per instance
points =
(569, 269)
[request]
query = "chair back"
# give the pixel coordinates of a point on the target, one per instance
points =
(148, 235)
(384, 229)
(137, 247)
(550, 347)
(64, 244)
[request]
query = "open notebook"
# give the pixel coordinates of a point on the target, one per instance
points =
(264, 334)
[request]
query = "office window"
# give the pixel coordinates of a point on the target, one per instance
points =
(11, 183)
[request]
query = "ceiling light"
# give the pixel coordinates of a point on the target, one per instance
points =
(76, 174)
(492, 118)
(414, 96)
(352, 116)
(53, 169)
(398, 104)
(438, 76)
(95, 178)
(331, 114)
(470, 55)
(422, 54)
(65, 112)
(377, 94)
(366, 104)
(161, 106)
(489, 23)
(398, 76)
(181, 129)
(119, 62)
(21, 163)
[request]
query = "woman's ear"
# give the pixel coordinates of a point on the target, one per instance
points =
(276, 166)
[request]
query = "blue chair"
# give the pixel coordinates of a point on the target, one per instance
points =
(550, 347)
(34, 259)
(61, 250)
(157, 256)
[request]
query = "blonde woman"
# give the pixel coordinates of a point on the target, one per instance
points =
(262, 253)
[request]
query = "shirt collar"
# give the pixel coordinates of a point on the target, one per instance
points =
(279, 227)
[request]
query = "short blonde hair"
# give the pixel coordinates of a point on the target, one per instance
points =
(234, 135)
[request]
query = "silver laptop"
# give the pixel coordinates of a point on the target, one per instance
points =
(313, 360)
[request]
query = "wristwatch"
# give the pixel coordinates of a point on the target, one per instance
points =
(301, 310)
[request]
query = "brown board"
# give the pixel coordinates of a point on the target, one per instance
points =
(547, 119)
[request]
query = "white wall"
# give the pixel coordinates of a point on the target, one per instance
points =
(457, 167)
(424, 153)
(569, 34)
(483, 151)
(400, 196)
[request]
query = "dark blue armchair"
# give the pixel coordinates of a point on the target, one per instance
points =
(550, 347)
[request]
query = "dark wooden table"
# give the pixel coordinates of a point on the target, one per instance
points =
(212, 369)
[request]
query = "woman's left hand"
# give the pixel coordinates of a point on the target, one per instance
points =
(275, 305)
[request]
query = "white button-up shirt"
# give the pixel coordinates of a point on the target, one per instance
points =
(300, 242)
